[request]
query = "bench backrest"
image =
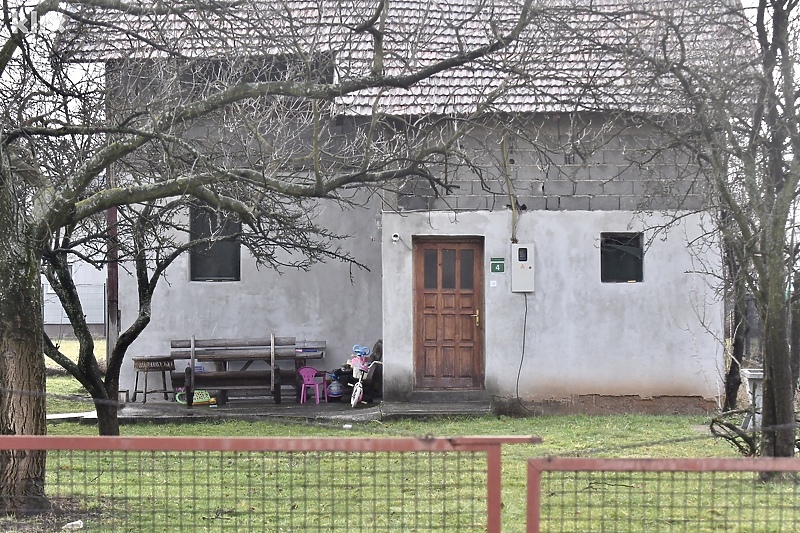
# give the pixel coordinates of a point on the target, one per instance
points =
(282, 346)
(276, 347)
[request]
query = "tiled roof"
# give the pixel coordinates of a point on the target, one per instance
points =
(563, 53)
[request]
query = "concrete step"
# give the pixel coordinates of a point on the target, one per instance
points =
(444, 402)
(450, 396)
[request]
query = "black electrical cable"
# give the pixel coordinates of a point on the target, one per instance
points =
(522, 358)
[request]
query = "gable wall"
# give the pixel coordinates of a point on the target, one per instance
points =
(576, 179)
(564, 162)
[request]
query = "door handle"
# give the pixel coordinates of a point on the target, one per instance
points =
(477, 316)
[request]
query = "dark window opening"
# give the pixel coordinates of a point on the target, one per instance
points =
(219, 259)
(467, 269)
(621, 257)
(431, 269)
(448, 269)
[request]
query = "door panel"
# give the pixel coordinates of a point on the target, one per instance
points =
(448, 307)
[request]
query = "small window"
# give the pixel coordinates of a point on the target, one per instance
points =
(621, 257)
(218, 260)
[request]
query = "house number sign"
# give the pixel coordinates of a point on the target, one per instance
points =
(497, 265)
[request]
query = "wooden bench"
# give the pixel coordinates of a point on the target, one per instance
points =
(223, 352)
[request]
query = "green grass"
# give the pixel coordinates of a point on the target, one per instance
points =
(634, 502)
(69, 347)
(630, 503)
(597, 436)
(643, 502)
(64, 393)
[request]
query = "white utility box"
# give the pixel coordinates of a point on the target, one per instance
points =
(522, 271)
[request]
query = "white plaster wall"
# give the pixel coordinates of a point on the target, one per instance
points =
(658, 337)
(332, 301)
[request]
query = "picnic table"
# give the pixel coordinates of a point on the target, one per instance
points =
(234, 364)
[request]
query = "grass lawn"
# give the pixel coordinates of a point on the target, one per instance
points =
(575, 435)
(61, 387)
(69, 347)
(596, 436)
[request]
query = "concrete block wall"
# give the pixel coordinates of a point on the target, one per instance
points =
(574, 164)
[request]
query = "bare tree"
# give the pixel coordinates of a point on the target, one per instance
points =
(152, 109)
(735, 117)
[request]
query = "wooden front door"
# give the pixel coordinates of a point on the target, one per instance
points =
(448, 314)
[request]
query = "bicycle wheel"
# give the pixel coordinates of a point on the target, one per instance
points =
(358, 393)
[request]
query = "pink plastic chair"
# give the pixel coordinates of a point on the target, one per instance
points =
(309, 376)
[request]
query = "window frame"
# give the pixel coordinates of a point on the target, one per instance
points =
(204, 258)
(615, 265)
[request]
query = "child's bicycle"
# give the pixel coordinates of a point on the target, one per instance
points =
(360, 367)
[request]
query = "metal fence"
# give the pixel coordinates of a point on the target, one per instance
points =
(93, 302)
(266, 484)
(644, 495)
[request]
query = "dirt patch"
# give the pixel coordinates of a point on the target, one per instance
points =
(595, 404)
(64, 511)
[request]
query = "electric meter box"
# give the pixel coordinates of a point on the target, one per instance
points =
(522, 271)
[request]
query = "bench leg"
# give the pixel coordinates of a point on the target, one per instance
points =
(164, 380)
(144, 392)
(189, 385)
(276, 392)
(222, 397)
(135, 387)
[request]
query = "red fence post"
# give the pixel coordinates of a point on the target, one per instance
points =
(534, 498)
(494, 471)
(494, 502)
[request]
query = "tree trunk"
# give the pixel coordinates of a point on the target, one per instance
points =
(22, 370)
(733, 379)
(795, 330)
(107, 418)
(108, 406)
(778, 406)
(738, 288)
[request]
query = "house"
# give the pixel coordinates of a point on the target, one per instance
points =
(558, 272)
